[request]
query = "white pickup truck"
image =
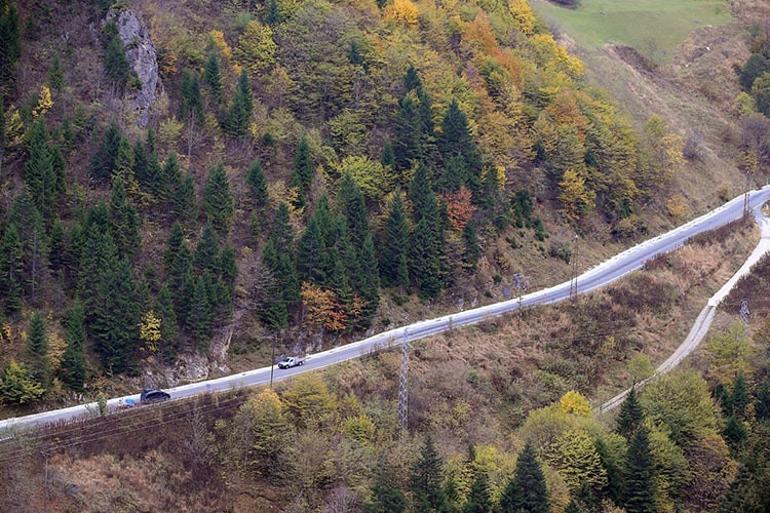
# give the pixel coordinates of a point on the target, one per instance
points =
(291, 361)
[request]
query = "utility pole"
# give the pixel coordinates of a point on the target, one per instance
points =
(746, 195)
(573, 282)
(403, 386)
(272, 361)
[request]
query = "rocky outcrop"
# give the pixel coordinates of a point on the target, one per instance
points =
(143, 59)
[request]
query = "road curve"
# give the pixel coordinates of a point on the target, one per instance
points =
(598, 276)
(700, 327)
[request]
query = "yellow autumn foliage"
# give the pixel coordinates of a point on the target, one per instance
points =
(217, 38)
(404, 11)
(575, 403)
(523, 16)
(44, 102)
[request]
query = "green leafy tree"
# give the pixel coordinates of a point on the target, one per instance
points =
(124, 220)
(73, 365)
(755, 66)
(394, 246)
(761, 93)
(526, 491)
(17, 385)
(218, 200)
(257, 185)
(37, 351)
(426, 479)
(640, 475)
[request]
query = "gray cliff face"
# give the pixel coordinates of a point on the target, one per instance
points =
(142, 57)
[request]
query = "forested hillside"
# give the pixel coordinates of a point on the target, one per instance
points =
(187, 172)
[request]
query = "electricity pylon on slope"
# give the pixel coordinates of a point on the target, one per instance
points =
(744, 311)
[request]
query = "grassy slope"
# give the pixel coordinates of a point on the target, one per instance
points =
(654, 27)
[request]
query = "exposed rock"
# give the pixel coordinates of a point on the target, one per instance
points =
(142, 57)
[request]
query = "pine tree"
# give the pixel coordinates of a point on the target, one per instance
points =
(55, 74)
(369, 284)
(124, 161)
(640, 475)
(73, 365)
(258, 185)
(170, 178)
(526, 491)
(199, 316)
(312, 251)
(273, 15)
(184, 204)
(479, 500)
(103, 161)
(763, 401)
(191, 101)
(213, 77)
(394, 246)
(124, 220)
(115, 63)
(407, 147)
(227, 270)
(278, 257)
(472, 251)
(386, 497)
(34, 243)
(169, 331)
(573, 507)
(388, 158)
(412, 80)
(302, 175)
(734, 432)
(739, 398)
(11, 269)
(456, 141)
(178, 262)
(116, 319)
(207, 250)
(218, 201)
(241, 108)
(426, 241)
(10, 44)
(39, 175)
(426, 479)
(58, 245)
(37, 351)
(630, 417)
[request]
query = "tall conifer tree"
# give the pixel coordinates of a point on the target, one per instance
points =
(526, 491)
(218, 200)
(73, 365)
(37, 351)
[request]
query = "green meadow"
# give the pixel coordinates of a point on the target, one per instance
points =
(653, 27)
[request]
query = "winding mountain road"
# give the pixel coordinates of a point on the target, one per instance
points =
(700, 327)
(598, 276)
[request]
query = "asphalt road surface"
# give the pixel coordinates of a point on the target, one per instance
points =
(598, 276)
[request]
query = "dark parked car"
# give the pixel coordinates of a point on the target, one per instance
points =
(153, 396)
